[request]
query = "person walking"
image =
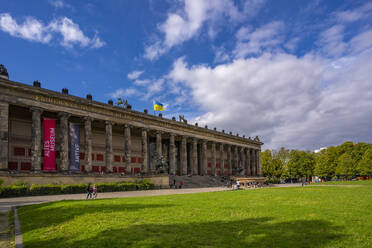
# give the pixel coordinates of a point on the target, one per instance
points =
(89, 192)
(181, 184)
(238, 184)
(94, 191)
(303, 181)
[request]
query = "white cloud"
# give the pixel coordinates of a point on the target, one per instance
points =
(361, 42)
(59, 4)
(354, 15)
(31, 29)
(97, 42)
(296, 102)
(123, 93)
(141, 82)
(34, 30)
(134, 74)
(186, 23)
(221, 55)
(262, 39)
(332, 40)
(154, 88)
(292, 44)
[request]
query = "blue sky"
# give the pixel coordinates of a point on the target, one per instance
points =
(296, 73)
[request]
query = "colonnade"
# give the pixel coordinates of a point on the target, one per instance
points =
(239, 160)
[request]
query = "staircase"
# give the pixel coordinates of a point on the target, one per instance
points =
(198, 181)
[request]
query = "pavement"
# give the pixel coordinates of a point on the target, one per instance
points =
(7, 203)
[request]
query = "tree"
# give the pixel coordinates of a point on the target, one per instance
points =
(307, 164)
(266, 159)
(325, 166)
(345, 166)
(293, 169)
(365, 164)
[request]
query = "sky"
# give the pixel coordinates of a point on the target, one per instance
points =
(295, 73)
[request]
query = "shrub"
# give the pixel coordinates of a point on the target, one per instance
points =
(73, 188)
(14, 190)
(22, 189)
(45, 189)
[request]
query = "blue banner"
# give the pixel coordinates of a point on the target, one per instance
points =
(74, 147)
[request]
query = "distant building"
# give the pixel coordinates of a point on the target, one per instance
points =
(320, 149)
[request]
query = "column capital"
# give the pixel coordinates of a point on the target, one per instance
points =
(159, 132)
(36, 109)
(144, 129)
(108, 122)
(87, 118)
(64, 114)
(127, 126)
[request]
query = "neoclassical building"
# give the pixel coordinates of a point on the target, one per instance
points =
(87, 137)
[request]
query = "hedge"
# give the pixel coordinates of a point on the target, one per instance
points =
(54, 189)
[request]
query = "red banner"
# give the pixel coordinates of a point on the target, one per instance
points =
(49, 145)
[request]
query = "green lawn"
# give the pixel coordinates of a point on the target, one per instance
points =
(277, 217)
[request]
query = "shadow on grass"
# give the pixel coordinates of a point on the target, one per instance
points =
(253, 232)
(52, 214)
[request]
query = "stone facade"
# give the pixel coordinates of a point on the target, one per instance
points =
(114, 139)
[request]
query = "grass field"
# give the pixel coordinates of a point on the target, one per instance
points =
(311, 216)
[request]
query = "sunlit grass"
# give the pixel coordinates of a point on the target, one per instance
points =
(277, 217)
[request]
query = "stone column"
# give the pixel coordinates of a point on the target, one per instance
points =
(194, 160)
(158, 144)
(4, 135)
(242, 160)
(63, 135)
(222, 167)
(172, 155)
(108, 154)
(158, 151)
(236, 160)
(184, 155)
(259, 169)
(248, 166)
(144, 165)
(213, 153)
(88, 143)
(127, 147)
(253, 163)
(36, 139)
(229, 166)
(204, 158)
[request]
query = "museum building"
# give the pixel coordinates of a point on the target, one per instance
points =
(43, 131)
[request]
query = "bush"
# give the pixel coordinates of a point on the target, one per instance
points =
(73, 188)
(45, 189)
(52, 189)
(272, 181)
(13, 190)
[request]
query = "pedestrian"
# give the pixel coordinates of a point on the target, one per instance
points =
(303, 181)
(238, 184)
(174, 183)
(181, 184)
(94, 191)
(89, 192)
